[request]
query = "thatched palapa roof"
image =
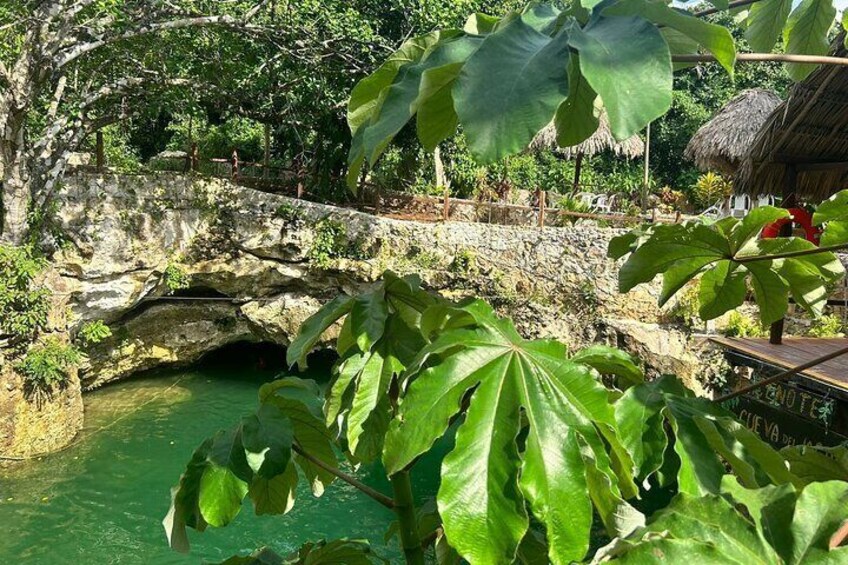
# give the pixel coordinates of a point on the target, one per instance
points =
(721, 143)
(598, 142)
(806, 137)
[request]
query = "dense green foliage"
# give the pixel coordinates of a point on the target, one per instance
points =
(724, 255)
(775, 524)
(496, 78)
(24, 304)
(528, 416)
(93, 332)
(175, 277)
(47, 363)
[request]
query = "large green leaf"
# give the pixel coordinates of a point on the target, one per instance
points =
(627, 62)
(707, 439)
(766, 20)
(833, 213)
(611, 361)
(490, 476)
(714, 38)
(725, 254)
(806, 33)
(314, 327)
(368, 95)
(254, 458)
(379, 337)
(576, 118)
(407, 93)
(511, 88)
(816, 463)
(769, 525)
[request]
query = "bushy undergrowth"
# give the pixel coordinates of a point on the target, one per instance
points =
(93, 332)
(48, 363)
(24, 304)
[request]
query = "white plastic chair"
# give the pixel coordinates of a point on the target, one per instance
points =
(713, 212)
(767, 200)
(604, 203)
(739, 205)
(586, 198)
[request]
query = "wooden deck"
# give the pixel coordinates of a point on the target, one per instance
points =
(795, 351)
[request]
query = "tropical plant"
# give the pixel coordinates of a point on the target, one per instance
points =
(540, 444)
(24, 304)
(47, 363)
(724, 255)
(93, 332)
(504, 79)
(711, 188)
(775, 524)
(175, 277)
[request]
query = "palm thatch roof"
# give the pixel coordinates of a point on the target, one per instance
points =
(804, 143)
(598, 142)
(721, 143)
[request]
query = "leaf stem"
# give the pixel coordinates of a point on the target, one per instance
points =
(352, 481)
(790, 254)
(405, 510)
(760, 57)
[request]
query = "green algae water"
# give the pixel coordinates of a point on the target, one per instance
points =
(103, 499)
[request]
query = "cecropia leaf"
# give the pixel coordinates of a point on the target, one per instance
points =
(726, 255)
(510, 88)
(806, 34)
(635, 90)
(487, 479)
(255, 458)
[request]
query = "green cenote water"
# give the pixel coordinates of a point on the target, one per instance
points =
(103, 499)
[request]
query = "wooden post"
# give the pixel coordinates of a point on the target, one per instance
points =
(100, 156)
(578, 165)
(446, 206)
(647, 171)
(235, 164)
(790, 179)
(194, 156)
(266, 162)
(542, 198)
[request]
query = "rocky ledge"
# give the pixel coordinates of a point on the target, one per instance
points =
(180, 266)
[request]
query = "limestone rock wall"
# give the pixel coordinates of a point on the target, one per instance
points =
(254, 274)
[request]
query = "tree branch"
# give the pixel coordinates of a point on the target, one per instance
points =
(78, 50)
(352, 481)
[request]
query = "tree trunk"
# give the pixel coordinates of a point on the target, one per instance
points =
(16, 181)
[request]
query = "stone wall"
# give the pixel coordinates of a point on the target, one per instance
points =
(235, 243)
(254, 274)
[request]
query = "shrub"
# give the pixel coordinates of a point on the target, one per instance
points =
(712, 187)
(23, 303)
(827, 326)
(330, 242)
(48, 363)
(175, 278)
(93, 332)
(288, 212)
(464, 263)
(740, 325)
